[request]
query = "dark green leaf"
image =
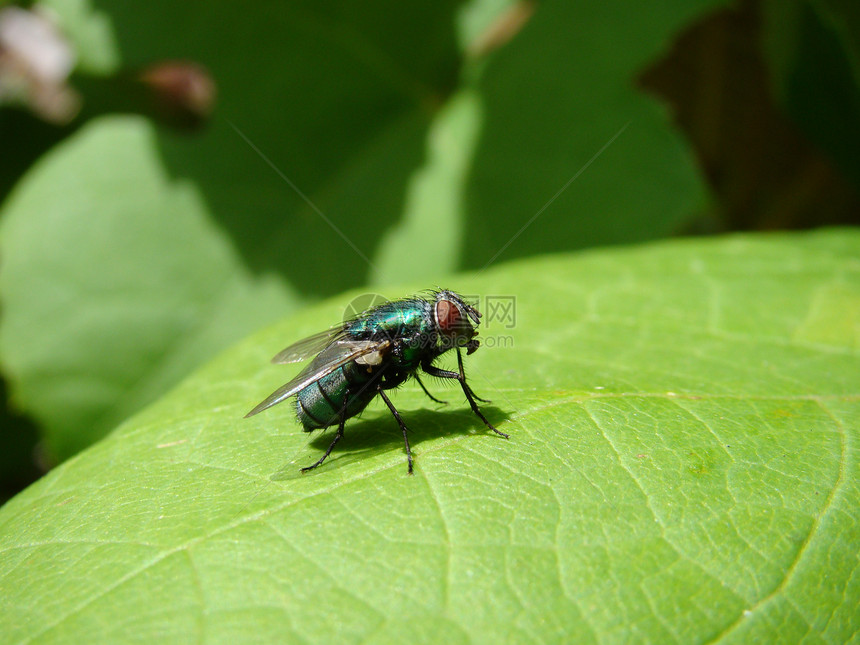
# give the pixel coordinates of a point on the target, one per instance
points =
(843, 16)
(812, 49)
(569, 140)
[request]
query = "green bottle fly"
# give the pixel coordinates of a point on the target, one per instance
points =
(376, 351)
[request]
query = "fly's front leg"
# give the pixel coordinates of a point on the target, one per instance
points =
(402, 425)
(461, 377)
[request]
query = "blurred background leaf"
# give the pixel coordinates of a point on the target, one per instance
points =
(812, 49)
(755, 145)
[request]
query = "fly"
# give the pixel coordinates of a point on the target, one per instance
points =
(377, 351)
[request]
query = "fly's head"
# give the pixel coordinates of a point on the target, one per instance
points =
(456, 321)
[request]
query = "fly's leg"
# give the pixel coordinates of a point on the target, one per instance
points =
(470, 396)
(472, 392)
(399, 422)
(428, 393)
(331, 446)
(463, 380)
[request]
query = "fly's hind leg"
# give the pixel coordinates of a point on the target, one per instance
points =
(400, 423)
(332, 445)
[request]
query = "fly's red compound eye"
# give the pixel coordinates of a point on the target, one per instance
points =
(448, 316)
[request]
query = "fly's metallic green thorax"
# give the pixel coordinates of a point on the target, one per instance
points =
(408, 324)
(377, 351)
(418, 327)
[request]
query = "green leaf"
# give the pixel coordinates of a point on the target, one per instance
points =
(812, 49)
(108, 303)
(682, 467)
(569, 140)
(843, 17)
(90, 29)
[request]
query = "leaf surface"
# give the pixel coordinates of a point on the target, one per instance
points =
(683, 467)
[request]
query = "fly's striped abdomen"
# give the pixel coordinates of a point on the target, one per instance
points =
(320, 403)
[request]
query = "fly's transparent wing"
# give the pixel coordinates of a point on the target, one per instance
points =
(336, 354)
(309, 346)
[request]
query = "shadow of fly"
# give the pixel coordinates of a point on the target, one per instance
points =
(375, 351)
